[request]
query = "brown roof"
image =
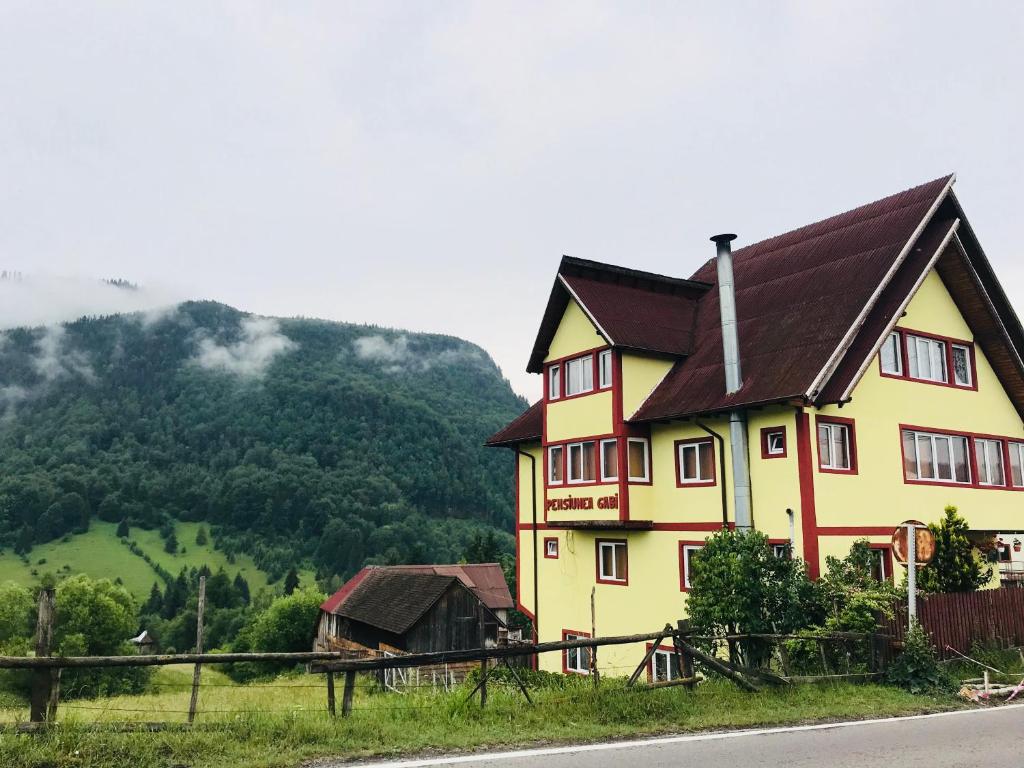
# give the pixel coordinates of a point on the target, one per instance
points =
(632, 309)
(393, 600)
(524, 428)
(798, 295)
(373, 584)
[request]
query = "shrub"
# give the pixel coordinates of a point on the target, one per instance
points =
(917, 668)
(955, 567)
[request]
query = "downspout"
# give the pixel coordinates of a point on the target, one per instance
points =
(721, 471)
(733, 382)
(533, 502)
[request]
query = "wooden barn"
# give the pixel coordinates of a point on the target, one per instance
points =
(414, 609)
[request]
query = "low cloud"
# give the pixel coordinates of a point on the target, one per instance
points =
(9, 399)
(55, 360)
(250, 356)
(396, 354)
(37, 300)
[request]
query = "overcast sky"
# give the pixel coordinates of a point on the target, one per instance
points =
(424, 165)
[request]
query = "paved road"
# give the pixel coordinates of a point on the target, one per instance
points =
(953, 740)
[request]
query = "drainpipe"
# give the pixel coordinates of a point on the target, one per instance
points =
(721, 471)
(733, 382)
(533, 501)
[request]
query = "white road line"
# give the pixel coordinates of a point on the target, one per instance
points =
(484, 757)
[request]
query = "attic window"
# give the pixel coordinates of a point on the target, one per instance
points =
(579, 375)
(604, 369)
(892, 355)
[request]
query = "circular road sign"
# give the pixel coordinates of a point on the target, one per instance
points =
(924, 540)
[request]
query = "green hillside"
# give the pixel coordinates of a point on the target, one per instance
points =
(298, 443)
(100, 554)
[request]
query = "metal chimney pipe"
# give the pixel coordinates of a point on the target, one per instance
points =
(742, 512)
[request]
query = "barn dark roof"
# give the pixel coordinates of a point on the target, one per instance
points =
(389, 596)
(393, 600)
(524, 428)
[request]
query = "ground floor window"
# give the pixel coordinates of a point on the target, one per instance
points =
(687, 550)
(612, 561)
(881, 563)
(576, 659)
(664, 666)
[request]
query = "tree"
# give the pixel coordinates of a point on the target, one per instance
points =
(242, 588)
(17, 608)
(154, 605)
(171, 543)
(201, 536)
(122, 529)
(955, 568)
(738, 584)
(291, 581)
(852, 596)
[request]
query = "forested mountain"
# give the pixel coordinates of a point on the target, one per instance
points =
(297, 441)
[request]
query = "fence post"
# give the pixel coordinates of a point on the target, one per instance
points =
(483, 683)
(330, 694)
(42, 679)
(199, 649)
(686, 670)
(346, 695)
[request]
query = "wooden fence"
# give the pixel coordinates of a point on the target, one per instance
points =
(990, 617)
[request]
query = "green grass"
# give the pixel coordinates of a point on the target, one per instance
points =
(100, 554)
(283, 723)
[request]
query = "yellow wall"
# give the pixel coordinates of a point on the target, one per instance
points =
(878, 495)
(575, 334)
(640, 375)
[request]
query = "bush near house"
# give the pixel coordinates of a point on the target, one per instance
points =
(955, 567)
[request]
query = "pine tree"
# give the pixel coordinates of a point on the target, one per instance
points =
(955, 568)
(291, 582)
(155, 604)
(171, 543)
(242, 589)
(122, 529)
(201, 536)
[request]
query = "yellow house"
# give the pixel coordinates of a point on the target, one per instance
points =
(820, 386)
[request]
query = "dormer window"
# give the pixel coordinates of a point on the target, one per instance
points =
(579, 375)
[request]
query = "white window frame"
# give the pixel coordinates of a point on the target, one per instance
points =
(831, 427)
(551, 464)
(551, 548)
(781, 435)
(646, 477)
(586, 364)
(985, 470)
(568, 464)
(883, 563)
(1016, 449)
(970, 375)
(698, 480)
(579, 656)
(929, 343)
(554, 382)
(604, 358)
(784, 551)
(934, 438)
(894, 339)
(600, 459)
(670, 673)
(601, 575)
(688, 550)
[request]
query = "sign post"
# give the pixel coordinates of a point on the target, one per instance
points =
(913, 545)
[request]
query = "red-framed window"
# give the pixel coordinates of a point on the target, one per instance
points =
(578, 375)
(961, 459)
(929, 358)
(881, 562)
(687, 549)
(837, 445)
(695, 463)
(551, 547)
(773, 442)
(612, 566)
(575, 661)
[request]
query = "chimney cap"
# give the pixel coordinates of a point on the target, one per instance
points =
(724, 238)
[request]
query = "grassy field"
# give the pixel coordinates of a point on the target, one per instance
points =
(283, 722)
(100, 554)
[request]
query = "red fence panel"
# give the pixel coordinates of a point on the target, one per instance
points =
(990, 617)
